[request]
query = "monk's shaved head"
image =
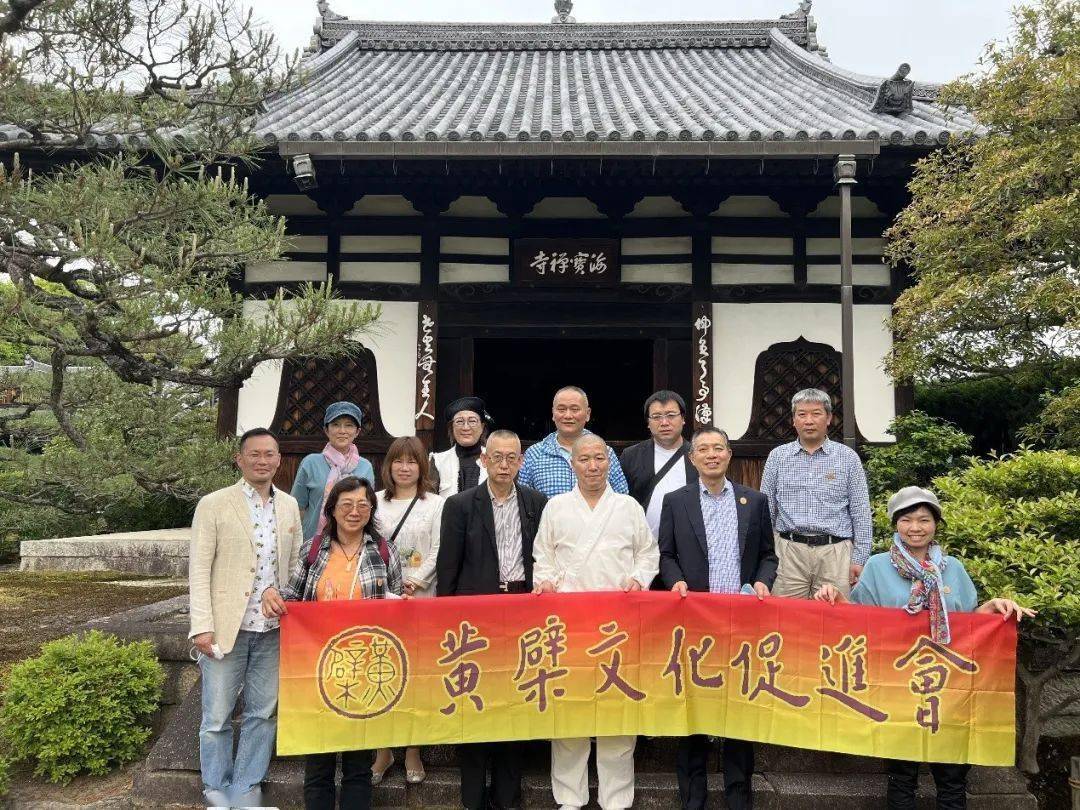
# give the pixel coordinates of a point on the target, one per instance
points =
(585, 440)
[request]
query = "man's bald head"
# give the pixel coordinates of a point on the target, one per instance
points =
(589, 458)
(586, 439)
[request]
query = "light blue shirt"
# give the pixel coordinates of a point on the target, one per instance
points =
(310, 483)
(881, 586)
(721, 537)
(823, 492)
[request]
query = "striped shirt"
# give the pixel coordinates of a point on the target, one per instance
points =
(823, 492)
(547, 468)
(304, 582)
(264, 528)
(508, 536)
(722, 538)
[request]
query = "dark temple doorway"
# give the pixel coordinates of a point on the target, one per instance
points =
(517, 378)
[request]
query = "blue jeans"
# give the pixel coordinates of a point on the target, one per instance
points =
(251, 666)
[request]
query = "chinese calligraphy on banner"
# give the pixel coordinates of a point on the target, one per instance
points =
(567, 261)
(371, 674)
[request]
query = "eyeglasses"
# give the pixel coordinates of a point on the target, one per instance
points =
(670, 416)
(473, 422)
(498, 458)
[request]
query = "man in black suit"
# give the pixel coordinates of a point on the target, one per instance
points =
(716, 537)
(486, 547)
(661, 463)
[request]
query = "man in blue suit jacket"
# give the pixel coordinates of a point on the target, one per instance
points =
(715, 537)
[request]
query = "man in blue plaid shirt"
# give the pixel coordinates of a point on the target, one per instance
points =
(819, 502)
(547, 463)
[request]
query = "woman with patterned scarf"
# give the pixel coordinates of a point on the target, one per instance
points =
(318, 472)
(915, 575)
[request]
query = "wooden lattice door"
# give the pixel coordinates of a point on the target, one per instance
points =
(308, 387)
(780, 372)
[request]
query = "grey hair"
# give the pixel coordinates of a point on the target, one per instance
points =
(586, 438)
(573, 388)
(705, 430)
(507, 435)
(812, 395)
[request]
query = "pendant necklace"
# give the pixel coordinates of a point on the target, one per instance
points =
(349, 561)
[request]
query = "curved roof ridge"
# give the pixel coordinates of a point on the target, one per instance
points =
(837, 77)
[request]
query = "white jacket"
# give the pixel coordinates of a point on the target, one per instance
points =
(448, 465)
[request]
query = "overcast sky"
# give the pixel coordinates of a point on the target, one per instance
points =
(940, 38)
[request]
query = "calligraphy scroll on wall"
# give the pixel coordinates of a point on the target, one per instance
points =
(426, 360)
(373, 674)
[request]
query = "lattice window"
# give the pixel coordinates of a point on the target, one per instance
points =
(784, 369)
(309, 386)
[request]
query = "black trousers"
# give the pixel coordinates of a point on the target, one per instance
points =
(320, 771)
(951, 782)
(691, 765)
(504, 759)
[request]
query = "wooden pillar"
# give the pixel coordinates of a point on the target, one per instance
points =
(703, 364)
(427, 328)
(844, 174)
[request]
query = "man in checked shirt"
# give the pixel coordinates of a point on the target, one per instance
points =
(819, 502)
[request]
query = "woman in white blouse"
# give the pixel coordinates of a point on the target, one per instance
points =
(409, 517)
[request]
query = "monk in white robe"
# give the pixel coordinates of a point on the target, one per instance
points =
(593, 539)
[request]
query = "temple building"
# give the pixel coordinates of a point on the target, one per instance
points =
(621, 206)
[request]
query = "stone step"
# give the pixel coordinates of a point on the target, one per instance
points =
(161, 552)
(786, 777)
(283, 788)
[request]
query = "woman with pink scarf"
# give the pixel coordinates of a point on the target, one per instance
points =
(916, 575)
(318, 472)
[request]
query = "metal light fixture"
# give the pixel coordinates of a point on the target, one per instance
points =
(304, 172)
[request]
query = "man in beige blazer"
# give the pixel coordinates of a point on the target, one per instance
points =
(244, 539)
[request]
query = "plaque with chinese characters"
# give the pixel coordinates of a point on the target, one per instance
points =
(567, 261)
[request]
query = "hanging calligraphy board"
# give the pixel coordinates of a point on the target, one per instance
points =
(573, 262)
(859, 680)
(426, 360)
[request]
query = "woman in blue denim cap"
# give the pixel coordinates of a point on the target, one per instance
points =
(916, 575)
(318, 472)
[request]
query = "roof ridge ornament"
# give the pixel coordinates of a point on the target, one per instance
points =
(562, 12)
(802, 11)
(894, 95)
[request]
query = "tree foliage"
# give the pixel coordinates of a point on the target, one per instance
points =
(123, 247)
(925, 448)
(1015, 523)
(992, 231)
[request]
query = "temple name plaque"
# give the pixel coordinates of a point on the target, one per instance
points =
(573, 262)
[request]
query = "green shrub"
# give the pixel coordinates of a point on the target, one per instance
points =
(5, 776)
(81, 706)
(925, 448)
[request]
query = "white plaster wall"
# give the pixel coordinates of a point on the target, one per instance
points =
(860, 207)
(565, 208)
(281, 204)
(475, 245)
(382, 205)
(469, 206)
(736, 273)
(873, 275)
(381, 272)
(743, 331)
(658, 273)
(286, 271)
(461, 273)
(658, 207)
(304, 244)
(831, 247)
(755, 245)
(748, 206)
(380, 244)
(393, 343)
(653, 245)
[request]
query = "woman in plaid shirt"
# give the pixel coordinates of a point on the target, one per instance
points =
(350, 563)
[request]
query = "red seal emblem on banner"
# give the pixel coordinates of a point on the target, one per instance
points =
(362, 672)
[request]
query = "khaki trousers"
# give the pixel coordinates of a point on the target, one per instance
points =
(803, 569)
(614, 772)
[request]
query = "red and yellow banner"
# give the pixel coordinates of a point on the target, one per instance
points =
(370, 674)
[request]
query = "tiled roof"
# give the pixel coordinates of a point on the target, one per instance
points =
(736, 81)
